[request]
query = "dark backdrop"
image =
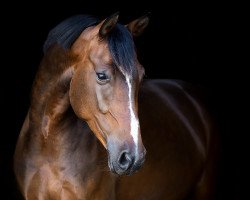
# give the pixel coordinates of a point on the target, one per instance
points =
(192, 42)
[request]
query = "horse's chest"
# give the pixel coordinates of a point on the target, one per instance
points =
(50, 183)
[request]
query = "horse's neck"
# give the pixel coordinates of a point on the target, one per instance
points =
(50, 99)
(52, 122)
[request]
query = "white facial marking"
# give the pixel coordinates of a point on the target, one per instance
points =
(134, 124)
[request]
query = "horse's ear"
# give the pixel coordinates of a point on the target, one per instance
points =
(137, 26)
(108, 24)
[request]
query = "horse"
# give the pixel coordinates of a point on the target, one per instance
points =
(92, 116)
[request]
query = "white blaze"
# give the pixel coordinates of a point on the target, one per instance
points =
(134, 124)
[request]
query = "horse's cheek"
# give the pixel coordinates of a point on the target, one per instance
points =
(103, 94)
(77, 94)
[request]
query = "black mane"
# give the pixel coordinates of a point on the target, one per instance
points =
(68, 31)
(120, 40)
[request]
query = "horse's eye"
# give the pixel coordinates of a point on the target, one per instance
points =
(102, 77)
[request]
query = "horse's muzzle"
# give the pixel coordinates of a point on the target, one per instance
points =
(126, 163)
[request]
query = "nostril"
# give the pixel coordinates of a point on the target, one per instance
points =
(125, 160)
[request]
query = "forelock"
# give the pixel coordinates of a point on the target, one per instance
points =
(122, 50)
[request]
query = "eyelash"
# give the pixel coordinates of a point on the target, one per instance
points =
(102, 78)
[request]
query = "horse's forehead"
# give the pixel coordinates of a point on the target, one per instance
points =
(99, 51)
(90, 43)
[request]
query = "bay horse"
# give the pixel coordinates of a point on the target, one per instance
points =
(81, 138)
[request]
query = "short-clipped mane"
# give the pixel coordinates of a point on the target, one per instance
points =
(120, 41)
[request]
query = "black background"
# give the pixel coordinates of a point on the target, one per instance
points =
(189, 41)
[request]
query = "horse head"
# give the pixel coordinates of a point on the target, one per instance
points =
(104, 89)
